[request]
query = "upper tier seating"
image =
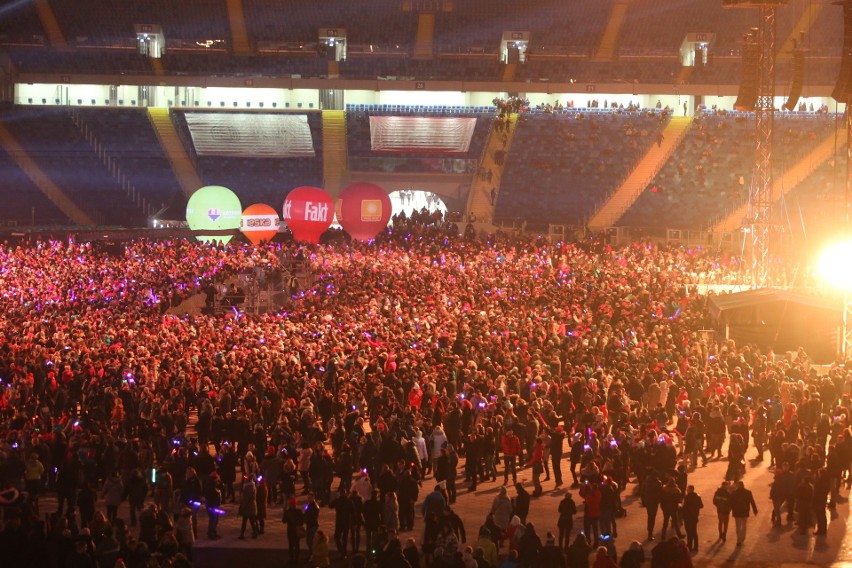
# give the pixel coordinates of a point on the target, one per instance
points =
(563, 165)
(709, 174)
(381, 24)
(110, 22)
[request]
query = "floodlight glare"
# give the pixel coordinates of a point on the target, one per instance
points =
(835, 265)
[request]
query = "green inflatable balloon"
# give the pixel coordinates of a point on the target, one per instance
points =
(214, 207)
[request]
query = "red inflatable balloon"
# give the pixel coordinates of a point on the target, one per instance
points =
(259, 223)
(308, 212)
(363, 210)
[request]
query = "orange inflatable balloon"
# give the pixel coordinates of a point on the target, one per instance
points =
(260, 223)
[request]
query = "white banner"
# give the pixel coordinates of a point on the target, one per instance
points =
(421, 135)
(256, 135)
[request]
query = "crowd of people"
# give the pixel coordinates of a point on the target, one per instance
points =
(415, 367)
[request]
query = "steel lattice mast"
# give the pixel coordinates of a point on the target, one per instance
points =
(762, 222)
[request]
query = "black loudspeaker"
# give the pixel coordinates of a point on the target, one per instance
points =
(747, 95)
(843, 88)
(798, 79)
(514, 55)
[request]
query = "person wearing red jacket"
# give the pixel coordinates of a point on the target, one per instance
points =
(511, 450)
(537, 464)
(591, 494)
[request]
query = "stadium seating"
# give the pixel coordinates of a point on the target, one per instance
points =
(110, 22)
(563, 165)
(58, 146)
(127, 136)
(123, 62)
(710, 173)
(20, 24)
(383, 24)
(259, 180)
(23, 202)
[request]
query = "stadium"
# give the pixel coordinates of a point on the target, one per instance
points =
(390, 271)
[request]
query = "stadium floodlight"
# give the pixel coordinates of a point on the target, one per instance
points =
(835, 268)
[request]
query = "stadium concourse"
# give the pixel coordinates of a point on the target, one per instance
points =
(134, 437)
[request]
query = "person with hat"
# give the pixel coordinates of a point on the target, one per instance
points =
(248, 507)
(551, 555)
(502, 510)
(485, 543)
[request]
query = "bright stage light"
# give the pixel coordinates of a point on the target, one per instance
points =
(835, 265)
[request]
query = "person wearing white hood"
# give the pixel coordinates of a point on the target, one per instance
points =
(664, 392)
(422, 452)
(501, 510)
(362, 486)
(439, 440)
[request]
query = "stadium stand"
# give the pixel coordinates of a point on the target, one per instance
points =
(127, 137)
(383, 26)
(476, 26)
(576, 159)
(23, 202)
(57, 145)
(709, 175)
(110, 22)
(20, 25)
(116, 61)
(195, 63)
(258, 180)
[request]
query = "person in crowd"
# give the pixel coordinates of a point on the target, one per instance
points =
(294, 519)
(248, 508)
(551, 554)
(634, 557)
(567, 509)
(692, 505)
(320, 553)
(101, 375)
(742, 501)
(722, 502)
(344, 520)
(511, 445)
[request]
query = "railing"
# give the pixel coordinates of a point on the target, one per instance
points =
(412, 165)
(111, 165)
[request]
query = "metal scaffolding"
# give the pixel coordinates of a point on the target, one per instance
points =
(762, 223)
(761, 199)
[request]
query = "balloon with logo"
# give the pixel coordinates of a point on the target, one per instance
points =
(363, 209)
(213, 207)
(260, 223)
(308, 212)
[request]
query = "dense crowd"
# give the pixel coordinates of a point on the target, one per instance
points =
(416, 366)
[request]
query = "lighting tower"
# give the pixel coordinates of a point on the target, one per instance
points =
(761, 221)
